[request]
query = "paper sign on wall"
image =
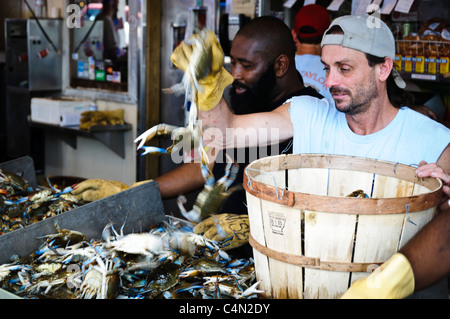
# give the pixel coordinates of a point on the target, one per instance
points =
(246, 7)
(388, 6)
(335, 5)
(360, 6)
(404, 5)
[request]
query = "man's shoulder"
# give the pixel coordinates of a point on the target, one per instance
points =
(305, 108)
(417, 117)
(309, 100)
(423, 127)
(309, 91)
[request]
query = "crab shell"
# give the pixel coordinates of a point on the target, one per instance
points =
(140, 243)
(93, 281)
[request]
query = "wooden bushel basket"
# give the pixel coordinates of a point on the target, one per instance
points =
(312, 241)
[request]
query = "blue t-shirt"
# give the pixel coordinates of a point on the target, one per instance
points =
(312, 70)
(319, 128)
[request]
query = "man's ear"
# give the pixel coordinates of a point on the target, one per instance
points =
(385, 68)
(281, 65)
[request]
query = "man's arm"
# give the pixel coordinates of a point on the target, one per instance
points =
(428, 252)
(439, 170)
(181, 180)
(223, 129)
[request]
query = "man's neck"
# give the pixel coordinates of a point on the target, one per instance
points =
(374, 119)
(306, 48)
(288, 85)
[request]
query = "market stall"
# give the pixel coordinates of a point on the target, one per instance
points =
(91, 85)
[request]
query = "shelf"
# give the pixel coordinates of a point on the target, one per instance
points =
(424, 77)
(109, 135)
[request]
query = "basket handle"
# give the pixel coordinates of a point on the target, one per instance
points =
(267, 192)
(311, 262)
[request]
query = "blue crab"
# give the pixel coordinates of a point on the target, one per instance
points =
(212, 197)
(199, 64)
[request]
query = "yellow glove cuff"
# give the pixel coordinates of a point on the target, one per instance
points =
(213, 87)
(140, 183)
(394, 279)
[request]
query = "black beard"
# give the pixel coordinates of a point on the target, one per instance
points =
(254, 99)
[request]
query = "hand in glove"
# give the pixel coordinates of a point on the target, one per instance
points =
(202, 56)
(394, 279)
(222, 226)
(94, 189)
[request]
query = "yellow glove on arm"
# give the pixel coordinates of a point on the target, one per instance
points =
(222, 226)
(394, 279)
(94, 189)
(205, 62)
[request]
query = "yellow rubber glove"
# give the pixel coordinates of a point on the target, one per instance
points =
(92, 118)
(394, 279)
(94, 189)
(208, 68)
(222, 226)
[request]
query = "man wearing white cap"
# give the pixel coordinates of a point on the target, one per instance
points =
(368, 119)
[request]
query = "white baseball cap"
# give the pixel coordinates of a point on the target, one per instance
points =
(368, 34)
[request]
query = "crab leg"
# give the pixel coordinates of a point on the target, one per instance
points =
(153, 150)
(160, 129)
(231, 171)
(192, 216)
(252, 290)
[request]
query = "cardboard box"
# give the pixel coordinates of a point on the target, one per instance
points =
(443, 63)
(50, 110)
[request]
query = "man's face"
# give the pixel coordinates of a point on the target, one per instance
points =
(115, 5)
(254, 76)
(352, 82)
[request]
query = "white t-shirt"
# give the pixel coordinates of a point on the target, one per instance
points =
(319, 128)
(313, 74)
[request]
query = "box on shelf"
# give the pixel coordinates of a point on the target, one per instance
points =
(59, 111)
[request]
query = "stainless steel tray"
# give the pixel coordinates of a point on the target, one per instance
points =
(137, 208)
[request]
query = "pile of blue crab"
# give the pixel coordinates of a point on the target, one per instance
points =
(169, 261)
(22, 205)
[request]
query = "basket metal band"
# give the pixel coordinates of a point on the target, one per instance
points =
(311, 262)
(342, 205)
(347, 205)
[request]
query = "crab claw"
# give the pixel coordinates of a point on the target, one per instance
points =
(207, 175)
(66, 190)
(153, 150)
(147, 135)
(252, 290)
(160, 129)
